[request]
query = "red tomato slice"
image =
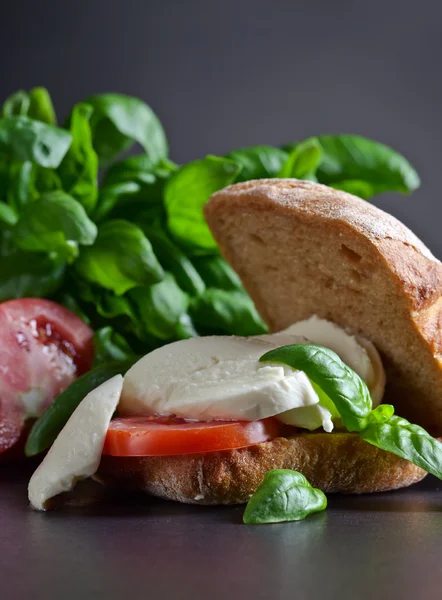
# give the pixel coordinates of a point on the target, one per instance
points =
(43, 348)
(161, 436)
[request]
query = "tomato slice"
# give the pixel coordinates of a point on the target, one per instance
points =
(43, 348)
(161, 436)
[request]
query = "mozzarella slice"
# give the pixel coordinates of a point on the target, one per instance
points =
(357, 352)
(214, 378)
(76, 452)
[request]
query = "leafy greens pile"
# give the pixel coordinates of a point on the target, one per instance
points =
(123, 242)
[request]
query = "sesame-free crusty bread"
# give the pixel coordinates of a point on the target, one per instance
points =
(302, 248)
(333, 462)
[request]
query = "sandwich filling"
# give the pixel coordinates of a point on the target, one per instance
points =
(202, 395)
(220, 377)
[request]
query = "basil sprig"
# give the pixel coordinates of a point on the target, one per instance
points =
(379, 427)
(409, 441)
(283, 495)
(343, 386)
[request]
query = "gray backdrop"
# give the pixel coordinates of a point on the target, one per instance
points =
(223, 74)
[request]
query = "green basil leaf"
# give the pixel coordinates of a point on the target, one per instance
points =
(26, 181)
(226, 312)
(17, 104)
(351, 158)
(21, 189)
(133, 186)
(160, 307)
(21, 276)
(23, 139)
(258, 162)
(173, 260)
(79, 169)
(187, 192)
(121, 258)
(8, 214)
(110, 345)
(185, 328)
(283, 495)
(139, 168)
(116, 193)
(343, 386)
(118, 121)
(408, 441)
(106, 303)
(41, 107)
(303, 160)
(55, 417)
(44, 180)
(381, 414)
(53, 222)
(216, 273)
(36, 104)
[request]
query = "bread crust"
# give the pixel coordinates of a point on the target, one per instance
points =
(333, 462)
(302, 248)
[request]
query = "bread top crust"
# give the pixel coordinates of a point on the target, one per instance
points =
(302, 248)
(321, 200)
(406, 254)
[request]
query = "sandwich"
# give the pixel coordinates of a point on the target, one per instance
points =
(352, 298)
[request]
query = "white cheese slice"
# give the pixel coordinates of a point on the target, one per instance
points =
(76, 452)
(220, 377)
(214, 378)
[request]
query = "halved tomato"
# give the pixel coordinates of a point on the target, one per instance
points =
(161, 436)
(43, 348)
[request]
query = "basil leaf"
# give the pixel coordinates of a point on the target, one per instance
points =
(258, 162)
(224, 312)
(343, 386)
(44, 180)
(186, 194)
(21, 277)
(133, 186)
(120, 259)
(110, 345)
(27, 181)
(351, 158)
(55, 221)
(22, 188)
(55, 417)
(283, 495)
(41, 107)
(160, 307)
(217, 273)
(23, 139)
(79, 168)
(8, 214)
(381, 414)
(17, 104)
(303, 160)
(113, 194)
(172, 259)
(36, 104)
(408, 441)
(139, 168)
(118, 121)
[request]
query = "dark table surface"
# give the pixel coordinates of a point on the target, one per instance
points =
(101, 546)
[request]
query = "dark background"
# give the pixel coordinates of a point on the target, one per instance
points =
(225, 74)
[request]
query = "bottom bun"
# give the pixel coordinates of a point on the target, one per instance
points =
(337, 462)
